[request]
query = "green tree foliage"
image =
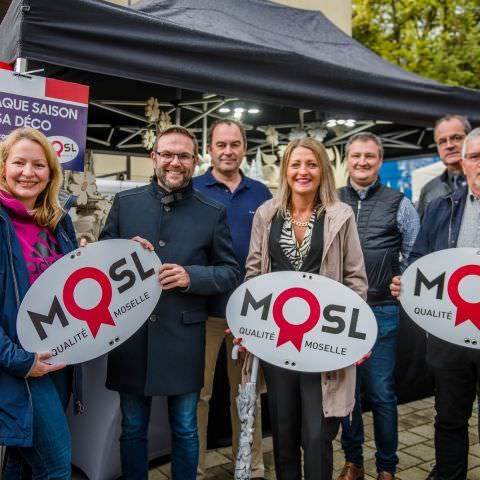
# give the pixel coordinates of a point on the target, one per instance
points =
(439, 39)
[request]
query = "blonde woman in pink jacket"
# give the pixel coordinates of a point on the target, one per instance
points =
(305, 228)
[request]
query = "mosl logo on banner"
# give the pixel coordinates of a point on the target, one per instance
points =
(301, 321)
(90, 301)
(441, 293)
(66, 148)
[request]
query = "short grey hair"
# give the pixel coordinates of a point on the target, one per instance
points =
(471, 136)
(467, 128)
(365, 137)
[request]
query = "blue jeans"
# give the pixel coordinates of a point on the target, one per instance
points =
(49, 456)
(182, 415)
(376, 377)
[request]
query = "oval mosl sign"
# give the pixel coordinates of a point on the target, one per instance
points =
(441, 293)
(90, 301)
(301, 321)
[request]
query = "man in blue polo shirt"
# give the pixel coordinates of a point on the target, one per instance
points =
(225, 183)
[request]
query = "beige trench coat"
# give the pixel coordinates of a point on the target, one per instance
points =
(342, 261)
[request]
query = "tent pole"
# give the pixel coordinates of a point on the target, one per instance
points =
(178, 110)
(20, 66)
(204, 131)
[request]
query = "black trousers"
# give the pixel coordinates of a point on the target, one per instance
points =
(296, 415)
(455, 391)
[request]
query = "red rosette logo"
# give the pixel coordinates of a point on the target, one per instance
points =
(465, 310)
(290, 332)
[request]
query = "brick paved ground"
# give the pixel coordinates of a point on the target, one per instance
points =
(416, 451)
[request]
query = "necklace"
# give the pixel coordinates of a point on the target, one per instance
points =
(298, 223)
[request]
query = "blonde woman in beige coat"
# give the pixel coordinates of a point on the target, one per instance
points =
(306, 229)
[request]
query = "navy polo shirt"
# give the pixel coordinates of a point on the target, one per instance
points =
(241, 205)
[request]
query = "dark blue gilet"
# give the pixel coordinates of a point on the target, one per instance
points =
(380, 237)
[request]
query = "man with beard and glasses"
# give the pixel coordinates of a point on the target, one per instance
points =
(190, 234)
(225, 183)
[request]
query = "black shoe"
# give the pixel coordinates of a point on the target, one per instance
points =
(431, 475)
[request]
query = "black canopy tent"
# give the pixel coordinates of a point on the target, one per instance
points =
(253, 49)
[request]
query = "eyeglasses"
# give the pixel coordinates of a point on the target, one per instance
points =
(183, 157)
(455, 138)
(473, 157)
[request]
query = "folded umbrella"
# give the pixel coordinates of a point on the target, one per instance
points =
(246, 401)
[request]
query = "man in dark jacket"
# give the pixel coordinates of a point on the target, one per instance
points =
(189, 232)
(449, 133)
(449, 222)
(387, 226)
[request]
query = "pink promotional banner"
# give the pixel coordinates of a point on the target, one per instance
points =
(58, 109)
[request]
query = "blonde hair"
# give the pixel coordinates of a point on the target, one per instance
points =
(48, 211)
(326, 193)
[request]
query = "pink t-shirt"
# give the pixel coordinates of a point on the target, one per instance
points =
(39, 246)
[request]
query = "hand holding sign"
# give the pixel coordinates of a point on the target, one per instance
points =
(146, 244)
(395, 286)
(172, 276)
(41, 367)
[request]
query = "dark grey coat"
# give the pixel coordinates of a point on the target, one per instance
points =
(436, 187)
(166, 356)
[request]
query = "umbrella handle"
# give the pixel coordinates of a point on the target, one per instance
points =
(235, 352)
(255, 363)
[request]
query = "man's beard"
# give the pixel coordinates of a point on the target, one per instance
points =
(161, 175)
